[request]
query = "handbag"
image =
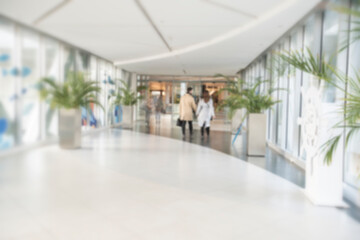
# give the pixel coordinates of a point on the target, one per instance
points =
(179, 122)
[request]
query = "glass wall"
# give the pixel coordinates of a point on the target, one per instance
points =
(352, 153)
(82, 62)
(274, 110)
(293, 130)
(282, 96)
(51, 64)
(324, 32)
(29, 73)
(92, 117)
(26, 56)
(8, 81)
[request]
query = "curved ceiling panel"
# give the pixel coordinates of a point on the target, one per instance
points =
(27, 11)
(233, 50)
(198, 37)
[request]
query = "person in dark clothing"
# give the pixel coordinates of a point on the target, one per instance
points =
(187, 108)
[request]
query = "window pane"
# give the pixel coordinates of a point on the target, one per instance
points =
(311, 42)
(352, 152)
(8, 75)
(110, 88)
(103, 94)
(275, 84)
(69, 61)
(82, 60)
(52, 70)
(30, 69)
(282, 105)
(294, 97)
(93, 120)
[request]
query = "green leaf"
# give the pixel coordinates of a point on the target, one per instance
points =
(75, 92)
(243, 95)
(329, 147)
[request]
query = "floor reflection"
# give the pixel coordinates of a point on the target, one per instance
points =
(220, 140)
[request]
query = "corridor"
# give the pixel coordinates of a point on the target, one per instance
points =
(95, 95)
(128, 185)
(221, 140)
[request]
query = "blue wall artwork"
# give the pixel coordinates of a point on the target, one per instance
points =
(4, 72)
(3, 126)
(4, 142)
(25, 71)
(110, 81)
(111, 92)
(13, 97)
(117, 114)
(83, 116)
(4, 57)
(93, 121)
(23, 91)
(14, 71)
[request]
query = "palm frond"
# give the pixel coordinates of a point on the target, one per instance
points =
(307, 62)
(329, 148)
(244, 95)
(75, 92)
(123, 95)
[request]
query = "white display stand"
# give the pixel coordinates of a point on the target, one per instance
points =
(323, 182)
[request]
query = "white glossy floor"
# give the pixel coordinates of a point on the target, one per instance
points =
(128, 185)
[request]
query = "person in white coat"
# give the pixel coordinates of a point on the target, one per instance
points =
(205, 113)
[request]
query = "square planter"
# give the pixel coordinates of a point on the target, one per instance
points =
(256, 134)
(324, 183)
(70, 128)
(127, 116)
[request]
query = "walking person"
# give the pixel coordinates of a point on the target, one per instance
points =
(187, 109)
(205, 113)
(147, 107)
(159, 108)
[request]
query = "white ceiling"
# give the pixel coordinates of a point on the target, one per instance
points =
(205, 36)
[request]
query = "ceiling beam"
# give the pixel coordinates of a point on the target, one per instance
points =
(152, 23)
(51, 11)
(157, 78)
(229, 8)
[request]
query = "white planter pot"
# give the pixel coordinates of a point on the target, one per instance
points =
(70, 128)
(236, 120)
(256, 134)
(127, 117)
(324, 184)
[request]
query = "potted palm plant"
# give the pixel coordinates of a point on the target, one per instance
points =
(242, 95)
(69, 97)
(126, 98)
(235, 114)
(324, 172)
